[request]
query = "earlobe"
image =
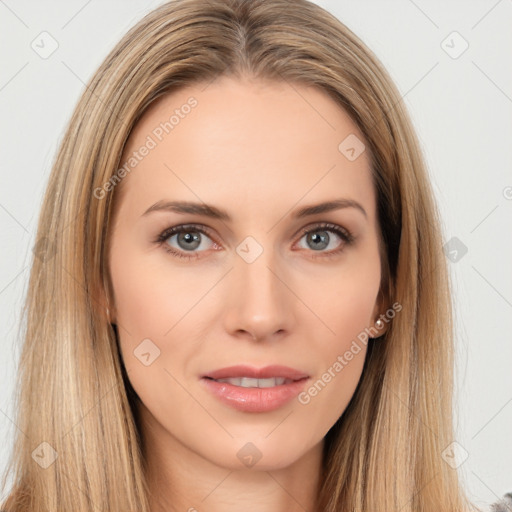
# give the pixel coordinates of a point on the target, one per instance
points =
(380, 325)
(378, 315)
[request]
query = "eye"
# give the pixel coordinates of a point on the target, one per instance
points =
(318, 238)
(189, 238)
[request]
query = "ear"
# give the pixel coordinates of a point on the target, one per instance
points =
(378, 313)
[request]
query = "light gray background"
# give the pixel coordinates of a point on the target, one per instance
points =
(461, 108)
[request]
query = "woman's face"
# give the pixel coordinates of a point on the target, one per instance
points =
(243, 284)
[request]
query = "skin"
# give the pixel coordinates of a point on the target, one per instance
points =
(260, 151)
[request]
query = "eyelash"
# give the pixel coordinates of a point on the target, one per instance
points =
(343, 233)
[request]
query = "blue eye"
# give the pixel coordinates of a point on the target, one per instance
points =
(187, 235)
(190, 237)
(318, 235)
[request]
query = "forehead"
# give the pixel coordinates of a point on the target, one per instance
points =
(250, 143)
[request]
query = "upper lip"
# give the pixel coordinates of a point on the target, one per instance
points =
(257, 373)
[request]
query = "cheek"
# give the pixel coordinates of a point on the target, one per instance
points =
(344, 299)
(151, 312)
(150, 298)
(345, 304)
(161, 320)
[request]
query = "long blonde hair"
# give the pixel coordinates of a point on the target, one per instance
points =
(385, 451)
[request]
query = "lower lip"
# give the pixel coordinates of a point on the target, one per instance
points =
(254, 399)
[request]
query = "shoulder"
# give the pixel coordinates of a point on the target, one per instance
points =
(503, 505)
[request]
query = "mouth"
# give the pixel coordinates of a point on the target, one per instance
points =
(251, 389)
(249, 382)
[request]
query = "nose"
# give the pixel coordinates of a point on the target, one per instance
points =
(260, 304)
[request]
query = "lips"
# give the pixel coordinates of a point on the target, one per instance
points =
(255, 390)
(251, 372)
(251, 389)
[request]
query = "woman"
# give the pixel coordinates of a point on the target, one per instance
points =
(189, 345)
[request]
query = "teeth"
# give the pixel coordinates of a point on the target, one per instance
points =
(248, 382)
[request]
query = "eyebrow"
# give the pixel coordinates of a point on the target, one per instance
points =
(216, 213)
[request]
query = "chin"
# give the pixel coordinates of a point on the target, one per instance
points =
(259, 454)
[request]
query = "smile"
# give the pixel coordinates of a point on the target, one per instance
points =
(249, 382)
